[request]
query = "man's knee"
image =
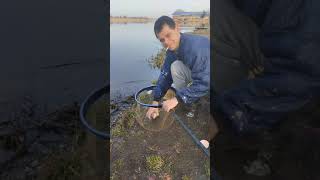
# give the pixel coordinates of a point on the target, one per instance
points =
(181, 74)
(176, 68)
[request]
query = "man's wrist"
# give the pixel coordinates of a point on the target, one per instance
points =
(179, 99)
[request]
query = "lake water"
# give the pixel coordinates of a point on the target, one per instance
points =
(130, 46)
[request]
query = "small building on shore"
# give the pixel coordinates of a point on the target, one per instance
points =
(197, 19)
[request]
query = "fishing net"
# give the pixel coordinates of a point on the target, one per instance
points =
(163, 121)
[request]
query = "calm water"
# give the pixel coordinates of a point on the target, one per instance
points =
(130, 46)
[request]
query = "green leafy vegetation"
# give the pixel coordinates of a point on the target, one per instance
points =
(154, 163)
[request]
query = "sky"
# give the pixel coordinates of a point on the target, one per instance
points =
(155, 8)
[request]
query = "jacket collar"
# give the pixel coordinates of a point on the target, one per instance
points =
(179, 51)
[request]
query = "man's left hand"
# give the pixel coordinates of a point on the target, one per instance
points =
(169, 104)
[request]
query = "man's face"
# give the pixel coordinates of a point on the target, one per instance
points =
(170, 38)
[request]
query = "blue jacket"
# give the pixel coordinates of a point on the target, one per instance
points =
(194, 52)
(290, 32)
(290, 42)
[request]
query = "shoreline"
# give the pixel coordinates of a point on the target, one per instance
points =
(125, 20)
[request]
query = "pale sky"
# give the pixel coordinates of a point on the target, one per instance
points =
(155, 8)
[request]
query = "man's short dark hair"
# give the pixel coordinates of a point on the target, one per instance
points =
(161, 21)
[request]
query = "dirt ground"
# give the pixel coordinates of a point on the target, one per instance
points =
(175, 155)
(291, 150)
(53, 146)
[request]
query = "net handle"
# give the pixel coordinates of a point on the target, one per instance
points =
(147, 89)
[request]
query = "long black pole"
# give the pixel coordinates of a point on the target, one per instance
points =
(194, 138)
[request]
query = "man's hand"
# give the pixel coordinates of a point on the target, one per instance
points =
(170, 104)
(153, 112)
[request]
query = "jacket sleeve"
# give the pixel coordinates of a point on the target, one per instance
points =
(165, 78)
(200, 74)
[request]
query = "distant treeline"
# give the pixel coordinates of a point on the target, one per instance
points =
(125, 19)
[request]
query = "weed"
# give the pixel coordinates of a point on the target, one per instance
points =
(154, 82)
(118, 131)
(154, 163)
(207, 168)
(130, 118)
(185, 177)
(118, 164)
(157, 61)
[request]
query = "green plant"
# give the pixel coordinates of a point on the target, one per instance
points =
(185, 177)
(154, 163)
(118, 164)
(157, 61)
(207, 168)
(130, 117)
(118, 131)
(154, 82)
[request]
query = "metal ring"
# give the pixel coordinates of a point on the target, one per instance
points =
(148, 105)
(93, 96)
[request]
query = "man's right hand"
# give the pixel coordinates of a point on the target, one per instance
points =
(153, 113)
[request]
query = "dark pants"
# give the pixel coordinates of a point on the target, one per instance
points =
(248, 92)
